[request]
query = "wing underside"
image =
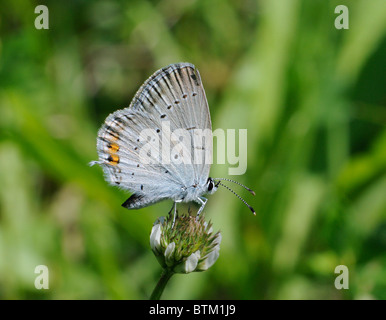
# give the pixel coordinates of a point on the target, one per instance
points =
(162, 142)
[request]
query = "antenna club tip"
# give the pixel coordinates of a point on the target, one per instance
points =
(253, 192)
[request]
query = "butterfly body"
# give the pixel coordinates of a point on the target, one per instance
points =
(140, 147)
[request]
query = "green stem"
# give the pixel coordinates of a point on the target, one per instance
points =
(159, 289)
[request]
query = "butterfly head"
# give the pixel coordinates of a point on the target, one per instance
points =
(211, 186)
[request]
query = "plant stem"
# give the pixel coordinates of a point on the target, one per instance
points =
(159, 289)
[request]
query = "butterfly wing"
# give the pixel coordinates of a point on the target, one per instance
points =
(171, 100)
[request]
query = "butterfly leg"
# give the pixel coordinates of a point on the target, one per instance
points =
(203, 203)
(175, 211)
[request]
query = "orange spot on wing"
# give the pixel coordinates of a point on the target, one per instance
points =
(113, 159)
(113, 148)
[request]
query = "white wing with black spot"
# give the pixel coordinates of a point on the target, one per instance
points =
(161, 145)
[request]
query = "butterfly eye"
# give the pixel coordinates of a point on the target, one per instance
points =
(210, 185)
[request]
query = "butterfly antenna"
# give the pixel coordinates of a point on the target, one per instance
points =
(250, 208)
(240, 184)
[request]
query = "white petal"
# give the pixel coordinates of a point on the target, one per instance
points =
(155, 238)
(218, 239)
(209, 260)
(191, 262)
(169, 257)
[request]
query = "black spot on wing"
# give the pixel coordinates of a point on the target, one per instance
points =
(133, 201)
(178, 79)
(112, 131)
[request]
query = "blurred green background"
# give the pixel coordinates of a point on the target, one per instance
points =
(312, 98)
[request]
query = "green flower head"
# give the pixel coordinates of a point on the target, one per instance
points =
(188, 245)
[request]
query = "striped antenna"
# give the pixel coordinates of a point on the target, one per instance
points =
(240, 184)
(223, 185)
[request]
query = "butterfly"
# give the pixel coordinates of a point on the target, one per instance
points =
(160, 147)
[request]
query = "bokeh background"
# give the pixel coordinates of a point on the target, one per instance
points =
(312, 98)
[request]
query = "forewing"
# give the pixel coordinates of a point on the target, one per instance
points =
(178, 96)
(173, 98)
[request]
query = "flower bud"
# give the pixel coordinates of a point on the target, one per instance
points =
(188, 245)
